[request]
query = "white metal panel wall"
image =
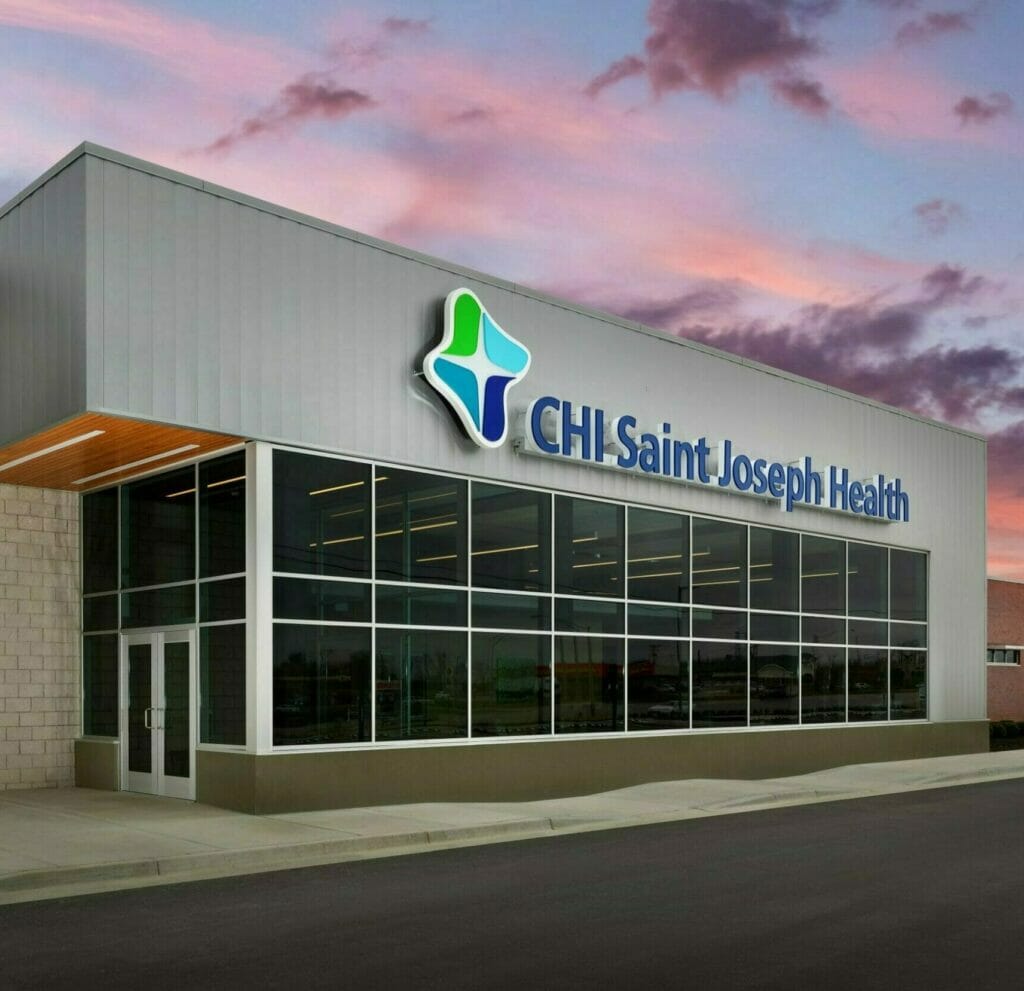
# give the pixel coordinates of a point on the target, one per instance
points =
(219, 314)
(42, 306)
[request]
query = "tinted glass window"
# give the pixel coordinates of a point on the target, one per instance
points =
(719, 563)
(589, 688)
(421, 685)
(588, 616)
(774, 684)
(768, 626)
(908, 635)
(659, 684)
(421, 528)
(321, 684)
(868, 684)
(222, 600)
(158, 529)
(908, 684)
(868, 571)
(222, 684)
(222, 515)
(99, 685)
(824, 575)
(719, 624)
(659, 553)
(867, 632)
(321, 515)
(511, 538)
(327, 601)
(821, 629)
(774, 569)
(511, 612)
(659, 621)
(719, 684)
(159, 607)
(420, 606)
(823, 676)
(99, 541)
(909, 588)
(511, 684)
(588, 547)
(99, 613)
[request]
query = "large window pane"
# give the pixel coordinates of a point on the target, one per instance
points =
(719, 624)
(719, 563)
(773, 626)
(824, 575)
(588, 685)
(99, 612)
(511, 612)
(511, 684)
(908, 684)
(659, 553)
(421, 606)
(321, 515)
(511, 538)
(99, 541)
(823, 674)
(774, 569)
(822, 629)
(222, 515)
(222, 684)
(658, 621)
(588, 616)
(868, 682)
(421, 685)
(909, 588)
(327, 601)
(159, 607)
(908, 635)
(868, 571)
(659, 684)
(99, 685)
(868, 632)
(719, 684)
(588, 547)
(222, 600)
(774, 684)
(158, 529)
(321, 684)
(421, 527)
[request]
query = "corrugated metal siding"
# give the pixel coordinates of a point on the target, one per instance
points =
(42, 306)
(220, 315)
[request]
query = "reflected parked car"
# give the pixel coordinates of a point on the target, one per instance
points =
(666, 710)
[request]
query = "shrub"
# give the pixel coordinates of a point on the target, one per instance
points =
(1011, 729)
(997, 731)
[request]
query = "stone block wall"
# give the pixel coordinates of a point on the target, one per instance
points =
(39, 636)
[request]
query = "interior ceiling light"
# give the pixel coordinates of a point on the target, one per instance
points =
(50, 449)
(135, 464)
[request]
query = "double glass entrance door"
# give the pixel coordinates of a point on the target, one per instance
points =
(158, 719)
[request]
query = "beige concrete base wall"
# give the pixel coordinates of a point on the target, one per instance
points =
(548, 769)
(39, 607)
(96, 764)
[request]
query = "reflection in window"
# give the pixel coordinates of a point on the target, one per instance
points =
(823, 677)
(321, 515)
(822, 629)
(511, 684)
(99, 541)
(421, 685)
(774, 557)
(774, 684)
(659, 551)
(824, 575)
(421, 527)
(588, 684)
(588, 547)
(772, 626)
(659, 684)
(326, 601)
(719, 684)
(222, 600)
(99, 685)
(658, 621)
(222, 515)
(719, 624)
(868, 684)
(868, 573)
(909, 588)
(511, 612)
(511, 538)
(868, 632)
(719, 563)
(588, 616)
(407, 606)
(168, 606)
(908, 684)
(222, 684)
(158, 529)
(321, 684)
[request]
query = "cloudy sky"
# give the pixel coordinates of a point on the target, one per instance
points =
(835, 187)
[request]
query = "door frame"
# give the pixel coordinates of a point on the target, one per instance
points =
(160, 784)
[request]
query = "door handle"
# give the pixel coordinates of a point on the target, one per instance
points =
(146, 718)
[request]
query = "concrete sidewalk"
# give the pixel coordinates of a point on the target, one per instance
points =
(61, 842)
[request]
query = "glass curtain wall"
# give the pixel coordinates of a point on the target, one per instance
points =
(410, 606)
(168, 550)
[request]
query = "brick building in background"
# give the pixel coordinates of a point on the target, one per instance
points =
(1005, 648)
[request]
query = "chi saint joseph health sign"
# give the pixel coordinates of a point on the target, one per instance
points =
(476, 364)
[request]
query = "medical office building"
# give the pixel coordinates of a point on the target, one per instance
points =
(295, 518)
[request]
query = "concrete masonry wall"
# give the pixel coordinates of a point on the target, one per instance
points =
(39, 623)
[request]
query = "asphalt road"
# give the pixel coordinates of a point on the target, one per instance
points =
(923, 890)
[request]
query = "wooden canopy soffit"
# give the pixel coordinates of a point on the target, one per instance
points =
(94, 450)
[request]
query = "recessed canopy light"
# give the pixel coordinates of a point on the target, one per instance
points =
(135, 464)
(50, 449)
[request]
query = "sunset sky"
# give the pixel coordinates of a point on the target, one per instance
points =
(834, 187)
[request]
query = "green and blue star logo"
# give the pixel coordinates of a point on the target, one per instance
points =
(475, 366)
